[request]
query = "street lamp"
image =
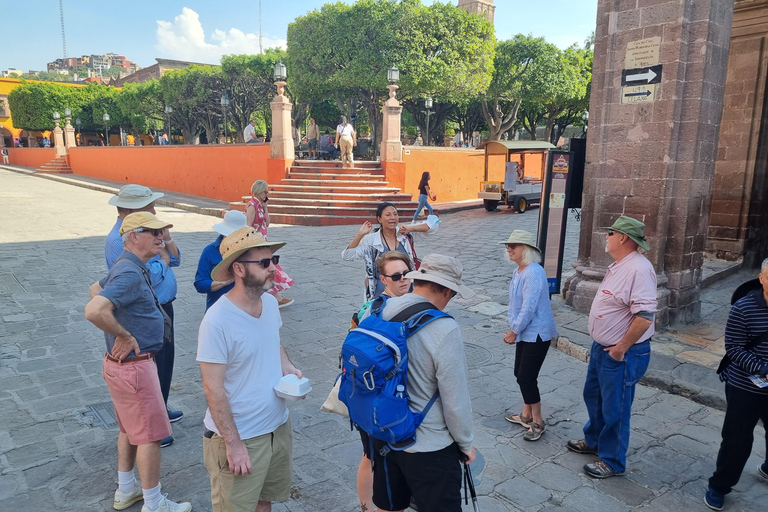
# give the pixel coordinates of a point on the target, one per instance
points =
(280, 74)
(428, 104)
(225, 107)
(106, 127)
(585, 118)
(393, 75)
(67, 112)
(168, 112)
(78, 122)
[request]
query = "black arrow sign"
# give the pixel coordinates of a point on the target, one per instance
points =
(641, 76)
(646, 94)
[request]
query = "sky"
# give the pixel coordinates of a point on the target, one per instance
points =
(203, 31)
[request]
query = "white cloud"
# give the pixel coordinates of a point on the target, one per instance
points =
(184, 39)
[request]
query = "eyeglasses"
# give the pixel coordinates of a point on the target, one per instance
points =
(155, 232)
(397, 276)
(265, 262)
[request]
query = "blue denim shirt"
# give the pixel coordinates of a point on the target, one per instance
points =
(530, 313)
(210, 257)
(161, 276)
(135, 307)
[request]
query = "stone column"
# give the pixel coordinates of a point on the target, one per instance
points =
(58, 140)
(282, 144)
(391, 147)
(651, 148)
(69, 134)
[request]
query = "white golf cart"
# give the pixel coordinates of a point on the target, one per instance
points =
(520, 188)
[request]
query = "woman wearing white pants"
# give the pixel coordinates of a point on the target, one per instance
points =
(346, 140)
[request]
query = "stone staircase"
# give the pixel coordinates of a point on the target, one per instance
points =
(322, 193)
(56, 166)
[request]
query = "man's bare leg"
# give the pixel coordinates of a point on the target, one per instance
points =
(148, 460)
(264, 506)
(126, 453)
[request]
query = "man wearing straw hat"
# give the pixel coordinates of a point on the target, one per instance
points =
(247, 445)
(137, 198)
(621, 325)
(429, 470)
(124, 306)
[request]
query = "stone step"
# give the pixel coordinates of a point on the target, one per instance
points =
(337, 170)
(318, 220)
(330, 164)
(300, 175)
(322, 182)
(333, 189)
(405, 212)
(56, 166)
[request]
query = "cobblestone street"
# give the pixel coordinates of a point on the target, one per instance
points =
(54, 457)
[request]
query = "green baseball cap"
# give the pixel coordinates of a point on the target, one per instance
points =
(633, 228)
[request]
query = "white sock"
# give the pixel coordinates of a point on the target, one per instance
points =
(152, 498)
(126, 481)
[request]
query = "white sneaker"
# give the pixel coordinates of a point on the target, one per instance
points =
(167, 505)
(125, 500)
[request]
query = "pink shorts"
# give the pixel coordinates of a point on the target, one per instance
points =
(139, 407)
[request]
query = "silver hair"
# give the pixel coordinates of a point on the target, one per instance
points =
(127, 235)
(530, 255)
(764, 266)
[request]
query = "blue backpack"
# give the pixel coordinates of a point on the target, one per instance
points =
(374, 363)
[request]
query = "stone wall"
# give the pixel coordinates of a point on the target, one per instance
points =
(739, 188)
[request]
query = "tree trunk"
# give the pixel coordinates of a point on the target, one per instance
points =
(496, 120)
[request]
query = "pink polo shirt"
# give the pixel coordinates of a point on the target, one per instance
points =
(628, 288)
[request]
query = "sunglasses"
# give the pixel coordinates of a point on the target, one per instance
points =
(397, 276)
(611, 233)
(265, 262)
(155, 232)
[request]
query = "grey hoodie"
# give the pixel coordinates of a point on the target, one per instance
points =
(436, 360)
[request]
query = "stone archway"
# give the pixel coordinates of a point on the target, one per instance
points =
(6, 137)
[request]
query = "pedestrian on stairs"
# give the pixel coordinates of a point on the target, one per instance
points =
(257, 216)
(346, 139)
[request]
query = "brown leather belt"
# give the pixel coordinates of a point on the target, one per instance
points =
(141, 357)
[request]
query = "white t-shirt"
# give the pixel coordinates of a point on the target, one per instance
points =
(345, 129)
(250, 347)
(249, 133)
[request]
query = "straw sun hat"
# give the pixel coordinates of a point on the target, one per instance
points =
(236, 244)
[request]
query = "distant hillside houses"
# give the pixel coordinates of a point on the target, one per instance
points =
(96, 63)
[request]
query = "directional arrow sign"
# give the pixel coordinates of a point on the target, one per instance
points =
(629, 95)
(641, 76)
(638, 94)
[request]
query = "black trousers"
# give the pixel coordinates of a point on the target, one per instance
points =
(742, 412)
(164, 357)
(529, 356)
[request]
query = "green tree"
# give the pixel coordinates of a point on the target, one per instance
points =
(468, 115)
(249, 81)
(343, 52)
(142, 104)
(194, 95)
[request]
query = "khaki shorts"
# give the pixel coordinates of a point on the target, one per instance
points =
(270, 478)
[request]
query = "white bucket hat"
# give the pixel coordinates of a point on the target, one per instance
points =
(443, 270)
(233, 220)
(520, 236)
(134, 197)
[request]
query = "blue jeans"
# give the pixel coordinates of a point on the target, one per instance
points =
(422, 203)
(608, 394)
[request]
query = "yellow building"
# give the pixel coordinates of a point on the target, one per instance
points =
(8, 132)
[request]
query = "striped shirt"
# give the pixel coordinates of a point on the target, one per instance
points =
(747, 320)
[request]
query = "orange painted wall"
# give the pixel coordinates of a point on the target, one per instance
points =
(455, 173)
(30, 157)
(223, 172)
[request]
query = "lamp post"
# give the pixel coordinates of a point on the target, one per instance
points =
(168, 112)
(428, 102)
(106, 127)
(585, 118)
(78, 122)
(225, 107)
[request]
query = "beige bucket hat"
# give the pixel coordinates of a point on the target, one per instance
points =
(520, 236)
(134, 197)
(443, 270)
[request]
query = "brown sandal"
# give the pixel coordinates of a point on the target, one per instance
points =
(535, 432)
(519, 419)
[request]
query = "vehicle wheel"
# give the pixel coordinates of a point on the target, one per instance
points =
(490, 204)
(521, 204)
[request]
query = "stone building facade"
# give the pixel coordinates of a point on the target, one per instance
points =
(483, 7)
(738, 222)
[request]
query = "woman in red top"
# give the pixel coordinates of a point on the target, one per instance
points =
(257, 216)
